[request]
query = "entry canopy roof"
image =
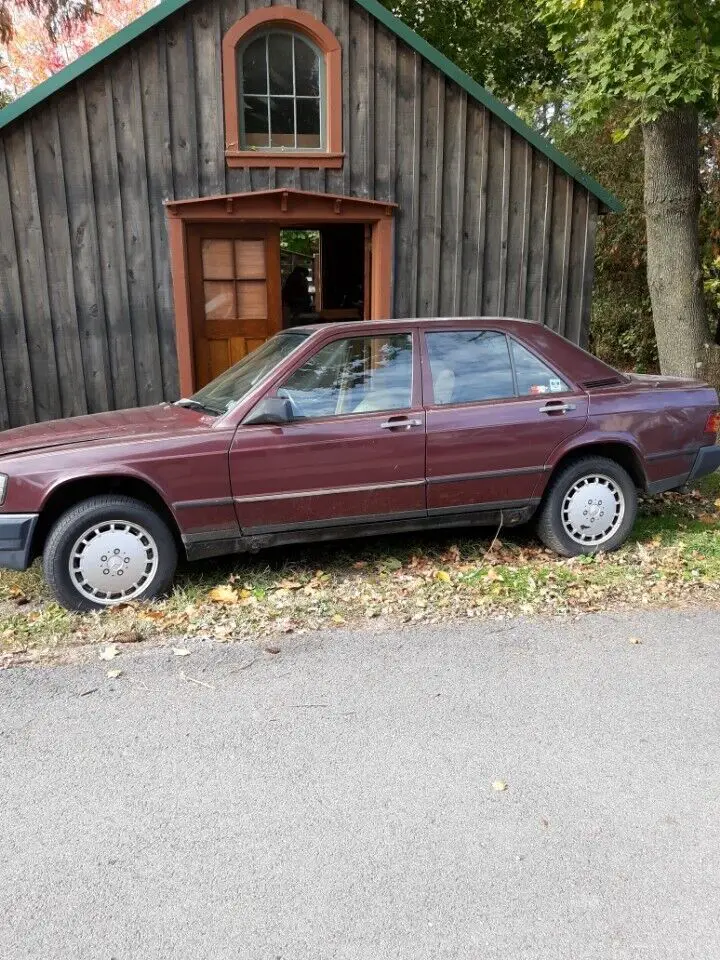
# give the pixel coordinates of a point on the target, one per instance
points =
(283, 203)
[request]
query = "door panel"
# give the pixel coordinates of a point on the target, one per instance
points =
(360, 464)
(494, 452)
(495, 413)
(234, 273)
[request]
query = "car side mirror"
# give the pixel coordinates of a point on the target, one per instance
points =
(274, 410)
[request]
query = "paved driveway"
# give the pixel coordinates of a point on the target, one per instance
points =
(336, 801)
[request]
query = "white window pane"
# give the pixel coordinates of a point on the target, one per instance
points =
(307, 70)
(254, 67)
(280, 55)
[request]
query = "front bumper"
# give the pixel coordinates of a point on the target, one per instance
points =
(707, 461)
(16, 533)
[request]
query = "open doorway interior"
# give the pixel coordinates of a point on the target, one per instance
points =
(324, 273)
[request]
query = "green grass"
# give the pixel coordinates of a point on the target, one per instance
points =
(672, 557)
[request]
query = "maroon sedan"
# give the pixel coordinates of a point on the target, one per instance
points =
(346, 430)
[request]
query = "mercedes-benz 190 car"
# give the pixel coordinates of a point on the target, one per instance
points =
(346, 430)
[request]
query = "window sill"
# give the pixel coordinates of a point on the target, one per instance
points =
(269, 158)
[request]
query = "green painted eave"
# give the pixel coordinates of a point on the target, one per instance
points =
(166, 8)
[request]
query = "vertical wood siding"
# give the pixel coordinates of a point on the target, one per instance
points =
(485, 224)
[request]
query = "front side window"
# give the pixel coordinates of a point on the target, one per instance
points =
(469, 366)
(355, 375)
(281, 77)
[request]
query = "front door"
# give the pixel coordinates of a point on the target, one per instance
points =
(496, 414)
(234, 275)
(355, 452)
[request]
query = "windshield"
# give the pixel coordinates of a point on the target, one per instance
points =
(226, 391)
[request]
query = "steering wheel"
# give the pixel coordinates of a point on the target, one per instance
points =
(297, 410)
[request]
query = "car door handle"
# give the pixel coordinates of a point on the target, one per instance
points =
(557, 408)
(400, 422)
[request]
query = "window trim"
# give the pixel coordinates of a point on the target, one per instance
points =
(321, 96)
(516, 397)
(291, 20)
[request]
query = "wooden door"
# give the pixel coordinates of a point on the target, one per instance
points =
(235, 299)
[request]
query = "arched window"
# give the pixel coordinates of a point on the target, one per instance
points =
(282, 91)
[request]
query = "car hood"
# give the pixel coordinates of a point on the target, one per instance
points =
(144, 422)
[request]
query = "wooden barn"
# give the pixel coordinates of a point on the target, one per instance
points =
(147, 190)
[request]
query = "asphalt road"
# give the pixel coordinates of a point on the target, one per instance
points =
(336, 801)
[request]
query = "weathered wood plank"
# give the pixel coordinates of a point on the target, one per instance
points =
(453, 195)
(525, 251)
(207, 37)
(559, 252)
(540, 226)
(53, 212)
(431, 167)
(407, 181)
(588, 271)
(337, 18)
(109, 219)
(152, 57)
(576, 265)
(18, 402)
(361, 146)
(84, 252)
(236, 180)
(183, 121)
(496, 223)
(385, 120)
(4, 412)
(474, 209)
(132, 172)
(517, 226)
(24, 206)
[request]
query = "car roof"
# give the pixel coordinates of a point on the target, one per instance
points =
(499, 323)
(577, 364)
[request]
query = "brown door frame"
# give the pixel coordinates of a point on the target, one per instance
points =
(288, 208)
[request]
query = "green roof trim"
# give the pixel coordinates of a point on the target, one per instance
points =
(166, 8)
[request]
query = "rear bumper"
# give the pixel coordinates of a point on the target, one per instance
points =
(16, 533)
(707, 461)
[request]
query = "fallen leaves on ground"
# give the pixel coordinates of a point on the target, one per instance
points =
(109, 652)
(672, 559)
(499, 786)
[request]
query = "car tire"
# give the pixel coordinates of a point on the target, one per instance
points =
(589, 507)
(108, 550)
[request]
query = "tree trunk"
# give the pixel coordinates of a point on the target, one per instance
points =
(672, 207)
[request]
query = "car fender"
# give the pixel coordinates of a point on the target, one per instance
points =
(585, 441)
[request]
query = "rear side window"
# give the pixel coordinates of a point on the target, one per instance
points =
(534, 376)
(469, 366)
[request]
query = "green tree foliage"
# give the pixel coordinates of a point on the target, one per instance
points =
(650, 55)
(499, 43)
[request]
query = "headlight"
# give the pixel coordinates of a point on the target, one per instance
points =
(3, 487)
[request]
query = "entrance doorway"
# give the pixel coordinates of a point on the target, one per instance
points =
(248, 265)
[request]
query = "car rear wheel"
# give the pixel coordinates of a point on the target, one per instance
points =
(590, 506)
(109, 550)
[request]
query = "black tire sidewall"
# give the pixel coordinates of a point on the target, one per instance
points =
(550, 526)
(72, 524)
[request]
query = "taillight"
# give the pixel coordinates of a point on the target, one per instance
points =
(713, 423)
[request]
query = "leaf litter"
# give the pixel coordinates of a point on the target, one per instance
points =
(671, 559)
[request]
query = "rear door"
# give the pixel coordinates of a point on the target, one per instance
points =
(355, 452)
(234, 276)
(495, 413)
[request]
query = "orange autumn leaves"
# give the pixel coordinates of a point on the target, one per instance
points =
(31, 56)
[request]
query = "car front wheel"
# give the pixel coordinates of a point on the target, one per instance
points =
(109, 550)
(590, 506)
